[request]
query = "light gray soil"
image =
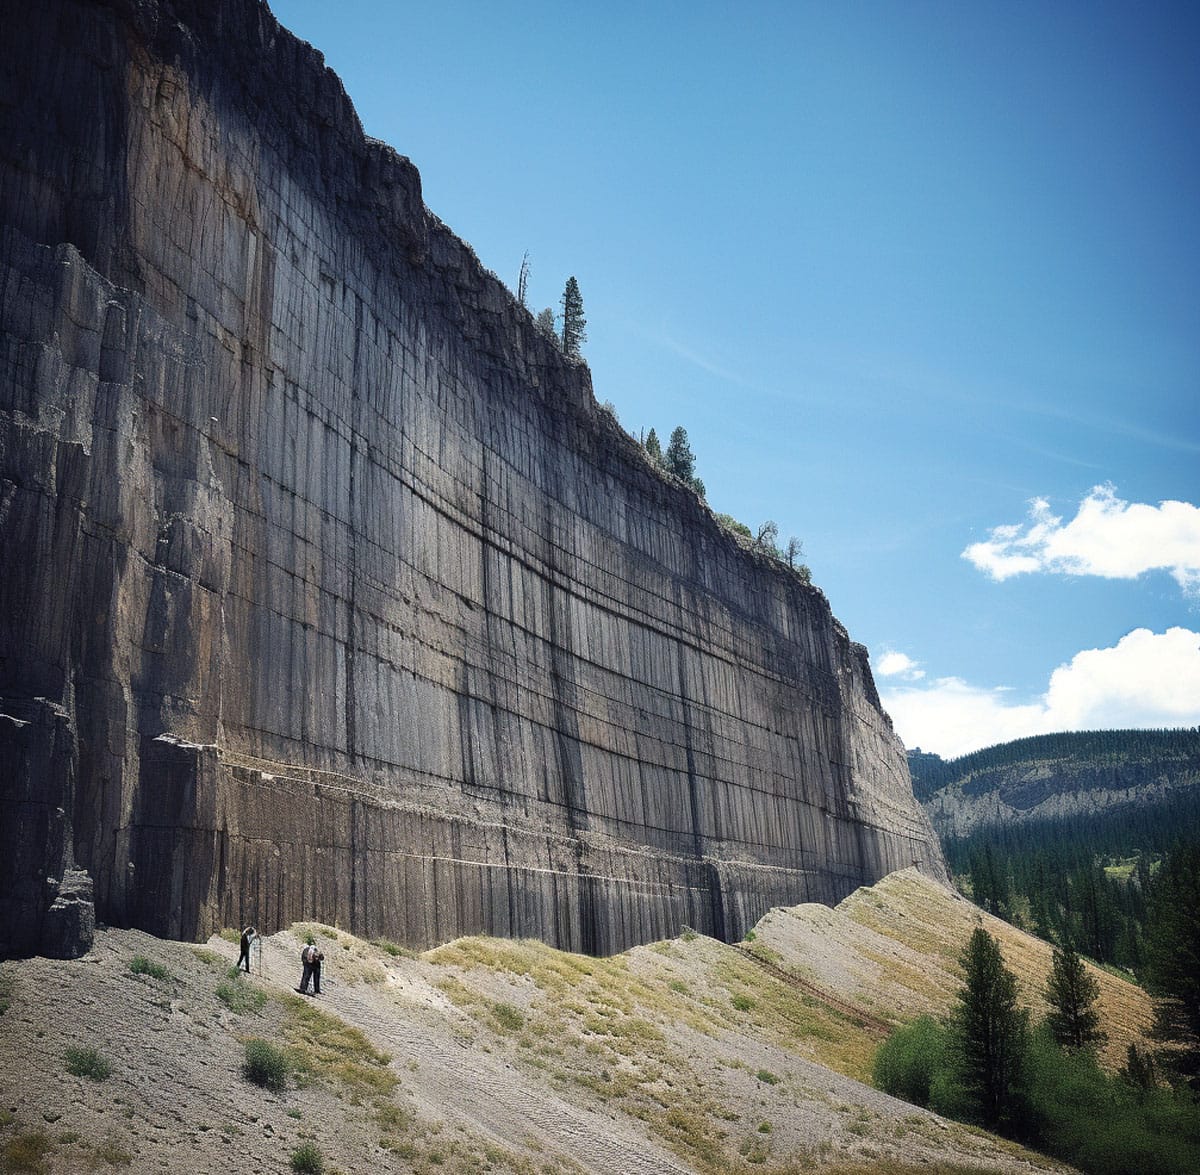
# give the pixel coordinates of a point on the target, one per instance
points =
(471, 1095)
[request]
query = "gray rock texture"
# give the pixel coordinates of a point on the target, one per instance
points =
(328, 590)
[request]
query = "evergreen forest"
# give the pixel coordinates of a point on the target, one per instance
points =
(1083, 878)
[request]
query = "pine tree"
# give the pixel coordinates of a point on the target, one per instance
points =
(679, 458)
(1072, 993)
(654, 448)
(1172, 972)
(574, 325)
(545, 323)
(1139, 1068)
(991, 1032)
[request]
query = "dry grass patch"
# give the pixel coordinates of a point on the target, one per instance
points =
(798, 1021)
(917, 913)
(323, 1046)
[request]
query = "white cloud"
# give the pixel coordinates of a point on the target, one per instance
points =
(1146, 680)
(1107, 537)
(899, 665)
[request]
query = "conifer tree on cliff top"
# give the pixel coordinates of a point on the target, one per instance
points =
(679, 458)
(574, 325)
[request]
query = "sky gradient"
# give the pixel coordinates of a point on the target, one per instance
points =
(921, 280)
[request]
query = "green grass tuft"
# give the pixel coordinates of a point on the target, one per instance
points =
(239, 996)
(87, 1063)
(140, 965)
(509, 1018)
(265, 1065)
(306, 1160)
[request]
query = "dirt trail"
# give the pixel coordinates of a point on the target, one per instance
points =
(458, 1081)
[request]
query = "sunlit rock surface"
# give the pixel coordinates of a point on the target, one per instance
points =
(327, 590)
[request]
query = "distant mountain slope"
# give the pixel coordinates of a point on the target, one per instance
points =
(1055, 776)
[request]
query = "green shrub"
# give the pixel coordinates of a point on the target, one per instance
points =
(87, 1063)
(767, 1077)
(239, 996)
(908, 1063)
(1102, 1124)
(1066, 1105)
(140, 965)
(265, 1065)
(508, 1017)
(307, 1160)
(743, 1003)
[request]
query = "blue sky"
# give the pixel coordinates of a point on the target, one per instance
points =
(906, 272)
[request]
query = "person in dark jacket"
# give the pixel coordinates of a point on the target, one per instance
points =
(310, 960)
(248, 936)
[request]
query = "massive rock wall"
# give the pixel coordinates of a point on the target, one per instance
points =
(328, 592)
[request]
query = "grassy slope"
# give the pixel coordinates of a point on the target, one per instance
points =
(893, 949)
(728, 1058)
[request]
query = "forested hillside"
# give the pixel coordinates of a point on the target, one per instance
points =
(1062, 833)
(1091, 758)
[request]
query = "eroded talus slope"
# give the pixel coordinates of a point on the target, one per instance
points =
(328, 590)
(687, 1055)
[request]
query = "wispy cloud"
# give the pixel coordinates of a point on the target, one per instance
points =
(1107, 537)
(701, 361)
(1114, 425)
(1146, 680)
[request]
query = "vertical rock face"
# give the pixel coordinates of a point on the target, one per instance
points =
(327, 591)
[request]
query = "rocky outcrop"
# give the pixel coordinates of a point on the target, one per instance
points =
(329, 591)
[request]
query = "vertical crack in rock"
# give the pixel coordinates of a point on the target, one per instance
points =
(329, 592)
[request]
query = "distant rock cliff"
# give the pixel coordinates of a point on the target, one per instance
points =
(328, 591)
(1056, 777)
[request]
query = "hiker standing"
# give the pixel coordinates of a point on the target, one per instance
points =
(248, 936)
(310, 959)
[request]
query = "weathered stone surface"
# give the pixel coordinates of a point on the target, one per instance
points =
(328, 591)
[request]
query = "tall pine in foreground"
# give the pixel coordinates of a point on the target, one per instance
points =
(1072, 993)
(1172, 972)
(574, 325)
(991, 1033)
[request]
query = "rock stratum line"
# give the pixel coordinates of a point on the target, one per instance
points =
(327, 590)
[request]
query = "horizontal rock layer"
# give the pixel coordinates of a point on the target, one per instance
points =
(330, 592)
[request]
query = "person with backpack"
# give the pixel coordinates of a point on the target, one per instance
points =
(248, 936)
(310, 959)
